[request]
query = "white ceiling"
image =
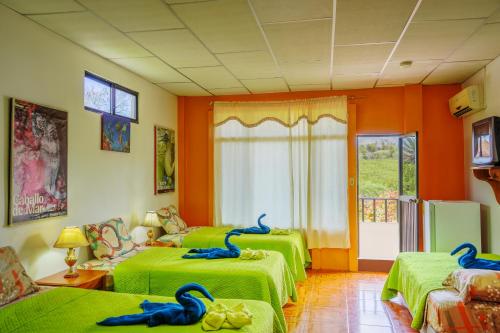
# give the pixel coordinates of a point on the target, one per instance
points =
(227, 47)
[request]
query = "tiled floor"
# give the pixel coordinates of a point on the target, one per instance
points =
(335, 302)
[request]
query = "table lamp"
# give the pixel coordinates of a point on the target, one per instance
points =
(71, 238)
(151, 220)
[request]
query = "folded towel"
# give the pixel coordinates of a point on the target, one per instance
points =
(261, 229)
(232, 250)
(189, 310)
(250, 254)
(220, 316)
(469, 260)
(278, 231)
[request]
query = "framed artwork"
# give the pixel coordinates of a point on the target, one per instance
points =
(164, 160)
(115, 133)
(38, 162)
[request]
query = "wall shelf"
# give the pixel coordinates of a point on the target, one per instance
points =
(491, 175)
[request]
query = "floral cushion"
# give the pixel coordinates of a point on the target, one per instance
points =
(475, 284)
(109, 239)
(170, 220)
(14, 281)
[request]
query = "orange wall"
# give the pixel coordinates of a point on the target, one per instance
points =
(393, 110)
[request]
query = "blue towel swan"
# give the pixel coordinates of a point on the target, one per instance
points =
(261, 229)
(190, 310)
(469, 260)
(232, 250)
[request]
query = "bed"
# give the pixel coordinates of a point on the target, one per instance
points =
(161, 271)
(419, 277)
(291, 246)
(77, 310)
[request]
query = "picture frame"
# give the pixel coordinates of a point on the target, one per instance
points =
(115, 133)
(164, 160)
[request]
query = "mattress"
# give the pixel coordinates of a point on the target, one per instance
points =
(77, 310)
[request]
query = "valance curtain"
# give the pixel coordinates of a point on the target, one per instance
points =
(287, 159)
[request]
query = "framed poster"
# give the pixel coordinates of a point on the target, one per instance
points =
(115, 133)
(38, 162)
(164, 160)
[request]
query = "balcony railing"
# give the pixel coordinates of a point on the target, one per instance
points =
(378, 209)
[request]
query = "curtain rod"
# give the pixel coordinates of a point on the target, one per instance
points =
(349, 97)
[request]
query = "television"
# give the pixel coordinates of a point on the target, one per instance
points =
(486, 142)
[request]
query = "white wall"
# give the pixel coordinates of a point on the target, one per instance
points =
(481, 191)
(38, 66)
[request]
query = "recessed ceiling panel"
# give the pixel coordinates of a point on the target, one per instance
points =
(361, 21)
(42, 7)
(250, 65)
(307, 73)
(309, 87)
(258, 86)
(433, 40)
(223, 25)
(292, 10)
(454, 72)
(184, 89)
(394, 74)
(152, 69)
(342, 82)
(484, 44)
(211, 77)
(181, 1)
(455, 9)
(360, 59)
(179, 48)
(229, 91)
(134, 15)
(92, 33)
(494, 18)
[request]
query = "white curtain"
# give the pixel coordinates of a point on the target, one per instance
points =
(295, 172)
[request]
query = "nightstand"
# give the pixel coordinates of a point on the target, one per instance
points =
(88, 279)
(160, 244)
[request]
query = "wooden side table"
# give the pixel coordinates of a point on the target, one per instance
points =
(88, 279)
(160, 244)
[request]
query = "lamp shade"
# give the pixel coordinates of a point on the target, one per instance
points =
(71, 237)
(151, 220)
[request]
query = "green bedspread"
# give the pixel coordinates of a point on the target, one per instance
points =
(291, 246)
(161, 271)
(415, 275)
(75, 310)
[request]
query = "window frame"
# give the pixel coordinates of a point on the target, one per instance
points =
(113, 87)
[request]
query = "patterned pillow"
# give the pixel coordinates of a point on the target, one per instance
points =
(14, 281)
(475, 284)
(171, 221)
(110, 239)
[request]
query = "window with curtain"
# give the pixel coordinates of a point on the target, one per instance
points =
(287, 159)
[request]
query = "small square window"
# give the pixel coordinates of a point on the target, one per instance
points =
(101, 95)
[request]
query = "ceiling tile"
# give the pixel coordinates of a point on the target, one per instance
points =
(494, 18)
(92, 33)
(41, 7)
(454, 72)
(211, 77)
(342, 82)
(258, 86)
(229, 91)
(179, 48)
(309, 87)
(152, 69)
(134, 15)
(184, 89)
(181, 1)
(249, 65)
(292, 10)
(484, 44)
(223, 25)
(433, 40)
(396, 75)
(455, 9)
(359, 59)
(361, 21)
(302, 50)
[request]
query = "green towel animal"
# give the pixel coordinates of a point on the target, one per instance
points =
(219, 316)
(250, 254)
